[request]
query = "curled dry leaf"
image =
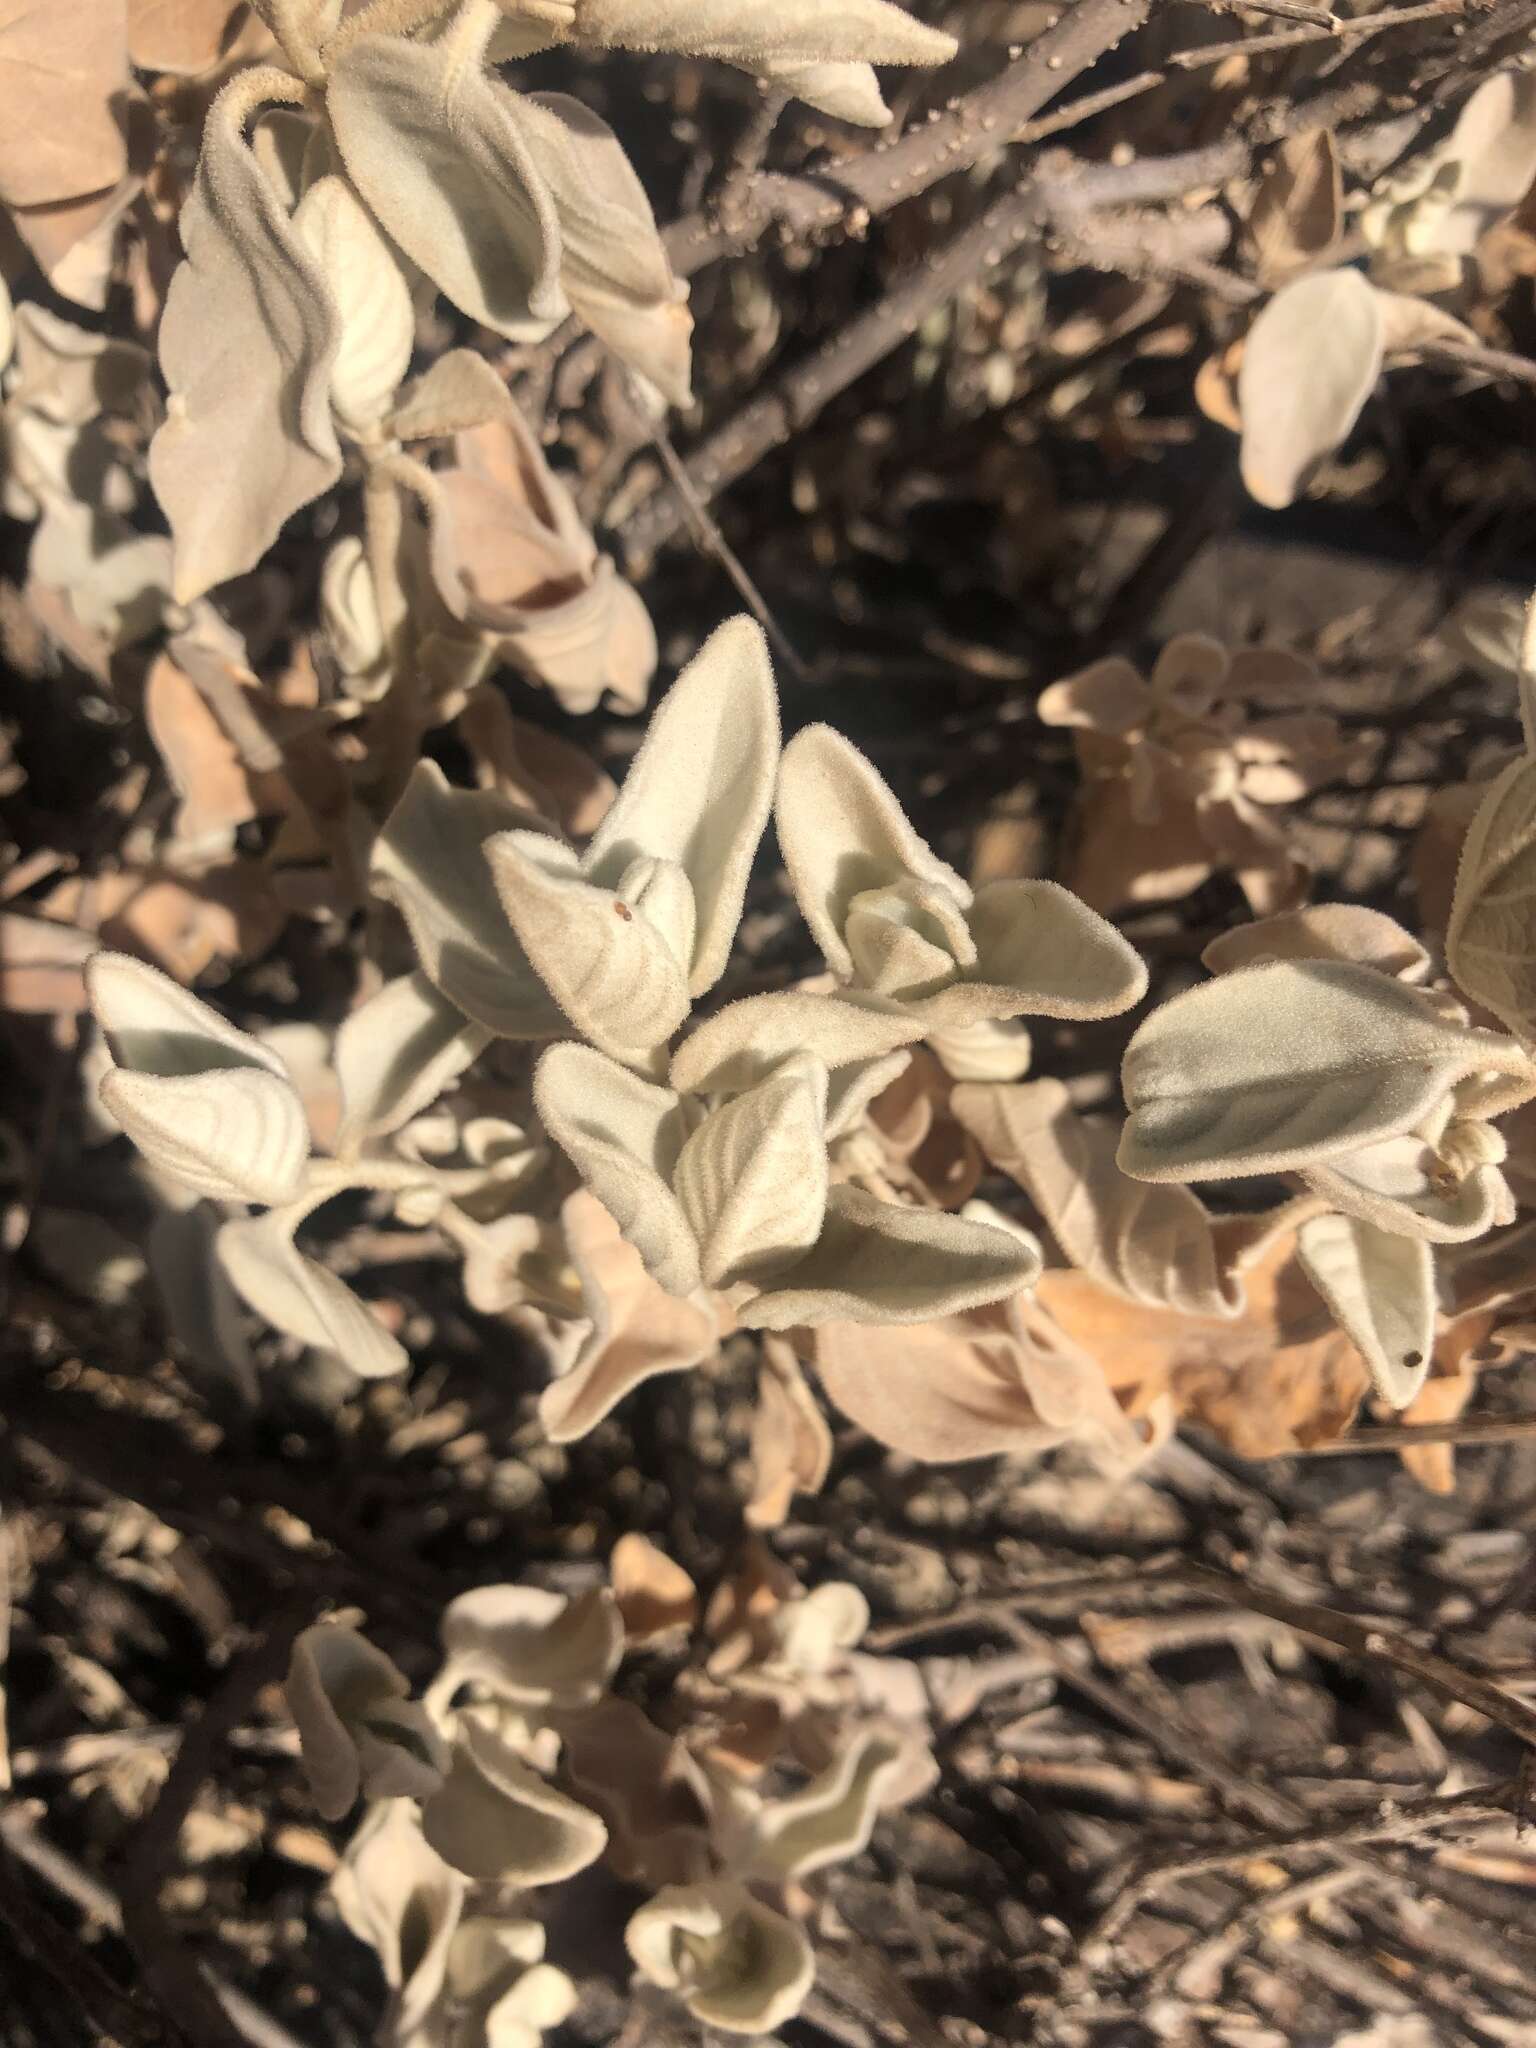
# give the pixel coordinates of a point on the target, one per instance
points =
(184, 37)
(654, 1595)
(648, 1788)
(68, 69)
(1296, 214)
(638, 1329)
(791, 1443)
(1152, 1244)
(511, 560)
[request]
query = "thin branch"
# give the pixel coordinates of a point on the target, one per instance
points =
(714, 542)
(1480, 1805)
(863, 186)
(169, 1970)
(1406, 1436)
(794, 399)
(1376, 1646)
(1342, 29)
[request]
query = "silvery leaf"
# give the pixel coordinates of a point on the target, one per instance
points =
(623, 1136)
(843, 833)
(1490, 943)
(298, 1296)
(700, 788)
(752, 1179)
(247, 343)
(876, 1262)
(606, 965)
(1381, 1291)
(428, 862)
(372, 298)
(432, 142)
(1288, 1064)
(613, 268)
(396, 1054)
(1310, 362)
(734, 1962)
(204, 1103)
(500, 1823)
(741, 1044)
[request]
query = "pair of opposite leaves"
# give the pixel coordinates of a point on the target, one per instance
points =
(293, 312)
(1316, 1052)
(718, 1173)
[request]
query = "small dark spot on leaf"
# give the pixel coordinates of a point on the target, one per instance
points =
(623, 910)
(1413, 1358)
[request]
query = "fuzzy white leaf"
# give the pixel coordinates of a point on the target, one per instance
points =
(357, 1728)
(613, 269)
(372, 297)
(396, 1054)
(700, 788)
(741, 1044)
(623, 1136)
(533, 1648)
(843, 833)
(69, 375)
(432, 142)
(299, 1296)
(848, 92)
(1490, 943)
(349, 612)
(404, 1901)
(460, 391)
(831, 1820)
(752, 1179)
(1323, 931)
(1040, 952)
(1284, 1065)
(735, 1963)
(247, 343)
(799, 31)
(428, 862)
(609, 969)
(1380, 1289)
(1310, 362)
(204, 1103)
(500, 1823)
(876, 1262)
(201, 1307)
